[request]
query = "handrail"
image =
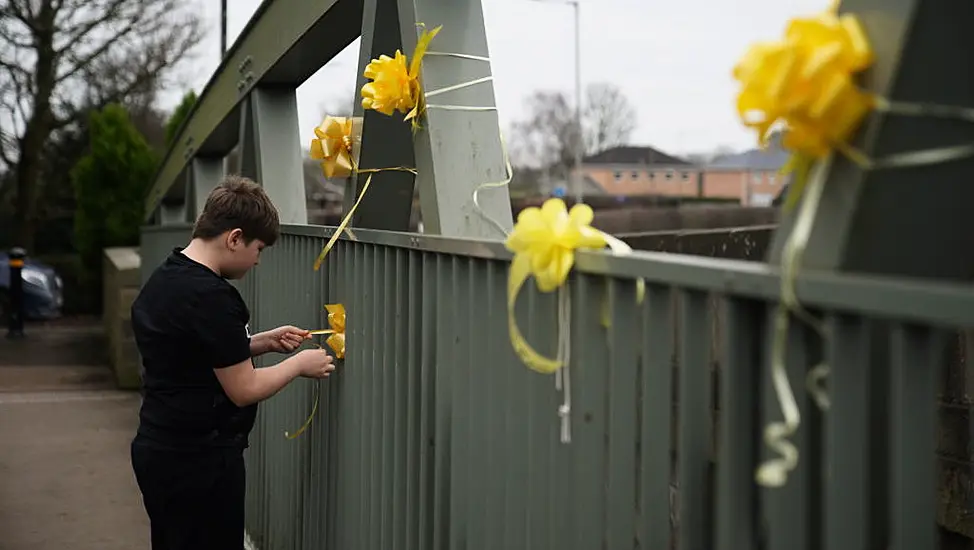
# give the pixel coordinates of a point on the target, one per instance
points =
(937, 304)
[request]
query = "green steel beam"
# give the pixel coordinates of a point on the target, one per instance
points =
(285, 42)
(386, 140)
(912, 222)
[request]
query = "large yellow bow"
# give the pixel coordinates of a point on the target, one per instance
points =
(395, 87)
(544, 241)
(336, 322)
(806, 82)
(332, 146)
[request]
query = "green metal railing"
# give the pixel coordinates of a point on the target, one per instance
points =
(432, 434)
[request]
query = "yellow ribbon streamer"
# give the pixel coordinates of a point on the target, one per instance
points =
(544, 241)
(336, 341)
(334, 146)
(806, 82)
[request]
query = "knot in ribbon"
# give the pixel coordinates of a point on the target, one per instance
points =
(336, 330)
(394, 86)
(544, 241)
(806, 81)
(332, 145)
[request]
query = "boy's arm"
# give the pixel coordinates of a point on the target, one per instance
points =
(245, 385)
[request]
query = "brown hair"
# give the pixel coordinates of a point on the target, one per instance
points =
(239, 202)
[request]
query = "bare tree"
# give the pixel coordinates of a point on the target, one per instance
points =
(549, 135)
(608, 118)
(61, 58)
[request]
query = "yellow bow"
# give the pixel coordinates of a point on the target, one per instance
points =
(395, 87)
(336, 320)
(544, 241)
(806, 81)
(332, 146)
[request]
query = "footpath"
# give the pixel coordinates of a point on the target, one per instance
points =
(65, 477)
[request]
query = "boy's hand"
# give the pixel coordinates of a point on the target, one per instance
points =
(314, 363)
(283, 339)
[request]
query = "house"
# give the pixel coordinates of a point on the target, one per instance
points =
(752, 176)
(630, 171)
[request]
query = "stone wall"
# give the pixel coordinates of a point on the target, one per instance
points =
(122, 279)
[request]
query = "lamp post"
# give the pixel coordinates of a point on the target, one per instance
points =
(223, 28)
(580, 142)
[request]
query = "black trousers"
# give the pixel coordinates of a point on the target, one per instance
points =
(195, 500)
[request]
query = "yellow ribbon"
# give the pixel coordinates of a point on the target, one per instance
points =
(336, 341)
(336, 320)
(806, 82)
(544, 241)
(332, 145)
(396, 87)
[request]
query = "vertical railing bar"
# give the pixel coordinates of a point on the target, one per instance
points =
(916, 365)
(623, 429)
(444, 400)
(374, 398)
(362, 354)
(459, 422)
(848, 439)
(400, 379)
(656, 419)
(429, 350)
(539, 329)
(413, 328)
(737, 504)
(588, 383)
(328, 455)
(495, 388)
(386, 380)
(793, 510)
(479, 408)
(694, 421)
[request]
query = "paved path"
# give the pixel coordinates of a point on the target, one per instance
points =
(65, 477)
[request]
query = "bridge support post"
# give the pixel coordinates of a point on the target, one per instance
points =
(206, 173)
(457, 150)
(172, 212)
(270, 140)
(910, 221)
(386, 140)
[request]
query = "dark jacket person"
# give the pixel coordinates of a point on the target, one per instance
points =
(200, 387)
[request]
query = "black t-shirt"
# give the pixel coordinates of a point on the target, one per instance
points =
(188, 321)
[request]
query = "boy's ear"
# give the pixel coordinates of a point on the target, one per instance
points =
(235, 239)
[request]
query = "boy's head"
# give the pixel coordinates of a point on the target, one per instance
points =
(238, 220)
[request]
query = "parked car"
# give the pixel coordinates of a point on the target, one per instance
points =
(43, 288)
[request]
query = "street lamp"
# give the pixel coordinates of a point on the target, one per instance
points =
(223, 28)
(579, 144)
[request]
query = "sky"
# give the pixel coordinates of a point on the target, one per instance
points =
(671, 59)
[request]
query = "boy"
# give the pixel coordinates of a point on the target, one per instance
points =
(200, 386)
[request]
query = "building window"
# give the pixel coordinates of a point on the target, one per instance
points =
(756, 177)
(635, 175)
(652, 175)
(617, 175)
(685, 176)
(669, 174)
(771, 178)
